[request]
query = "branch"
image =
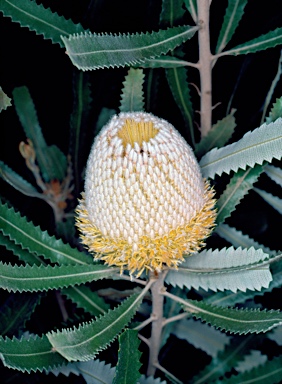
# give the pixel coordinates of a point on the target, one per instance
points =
(205, 66)
(157, 321)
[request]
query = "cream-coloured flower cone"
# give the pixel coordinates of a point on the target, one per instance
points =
(145, 203)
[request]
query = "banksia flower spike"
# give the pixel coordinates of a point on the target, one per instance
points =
(145, 203)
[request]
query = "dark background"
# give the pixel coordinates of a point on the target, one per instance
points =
(27, 59)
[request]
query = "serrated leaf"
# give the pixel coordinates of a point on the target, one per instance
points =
(274, 173)
(225, 361)
(274, 201)
(269, 40)
(65, 370)
(268, 373)
(51, 161)
(5, 101)
(17, 181)
(41, 278)
(275, 112)
(177, 80)
(17, 250)
(29, 354)
(262, 144)
(241, 321)
(93, 51)
(224, 269)
(201, 336)
(85, 342)
(38, 242)
(238, 187)
(96, 372)
(232, 17)
(218, 136)
(127, 369)
(15, 312)
(84, 298)
(252, 360)
(238, 239)
(39, 19)
(132, 97)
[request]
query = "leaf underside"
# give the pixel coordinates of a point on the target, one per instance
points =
(262, 144)
(93, 51)
(224, 269)
(240, 321)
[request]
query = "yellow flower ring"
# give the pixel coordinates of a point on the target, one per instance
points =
(145, 203)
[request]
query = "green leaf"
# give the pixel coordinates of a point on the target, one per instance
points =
(274, 201)
(226, 360)
(252, 360)
(127, 369)
(84, 298)
(269, 40)
(39, 19)
(238, 187)
(78, 123)
(5, 101)
(32, 238)
(172, 13)
(52, 162)
(29, 354)
(238, 239)
(191, 5)
(262, 144)
(201, 336)
(17, 250)
(274, 173)
(233, 269)
(218, 136)
(276, 111)
(85, 342)
(177, 80)
(268, 373)
(270, 92)
(17, 181)
(232, 17)
(96, 372)
(41, 278)
(16, 311)
(91, 51)
(132, 97)
(241, 321)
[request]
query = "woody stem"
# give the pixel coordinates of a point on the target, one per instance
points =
(157, 323)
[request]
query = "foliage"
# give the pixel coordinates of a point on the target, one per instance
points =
(66, 318)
